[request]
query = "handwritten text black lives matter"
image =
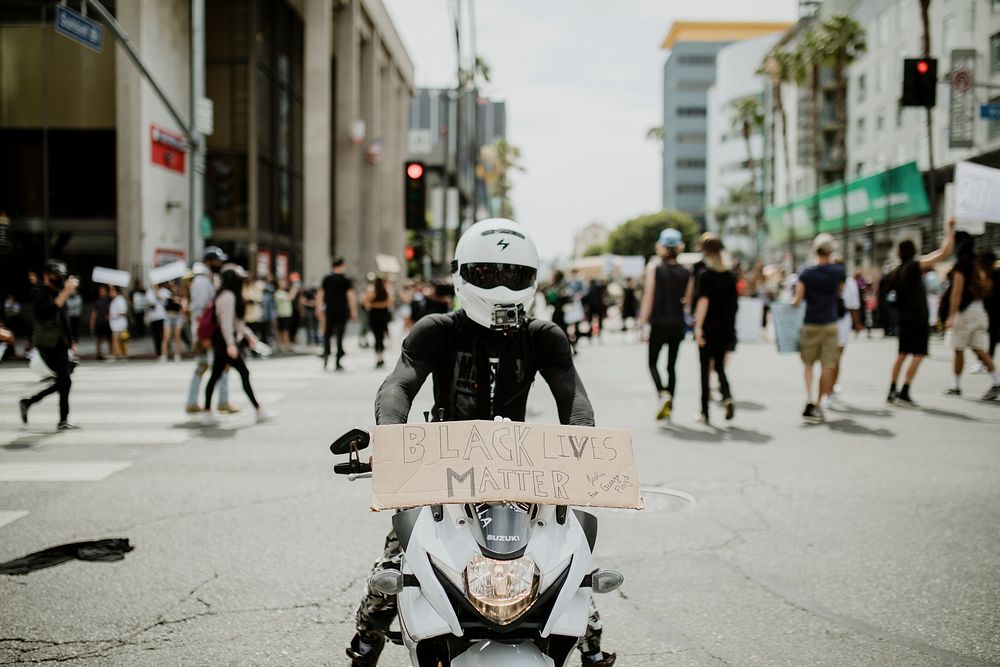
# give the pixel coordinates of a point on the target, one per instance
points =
(516, 457)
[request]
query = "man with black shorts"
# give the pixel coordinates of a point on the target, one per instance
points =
(336, 294)
(914, 316)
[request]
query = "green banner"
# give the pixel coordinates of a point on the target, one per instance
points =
(896, 194)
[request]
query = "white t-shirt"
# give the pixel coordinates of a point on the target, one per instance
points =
(118, 314)
(155, 302)
(852, 301)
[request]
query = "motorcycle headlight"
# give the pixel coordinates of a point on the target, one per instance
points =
(501, 590)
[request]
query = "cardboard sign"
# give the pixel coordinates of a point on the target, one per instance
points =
(483, 461)
(105, 276)
(976, 196)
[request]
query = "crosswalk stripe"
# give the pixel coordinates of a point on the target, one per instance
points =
(10, 516)
(76, 471)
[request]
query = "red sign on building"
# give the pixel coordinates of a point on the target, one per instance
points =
(168, 149)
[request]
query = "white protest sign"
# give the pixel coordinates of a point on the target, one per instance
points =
(976, 196)
(787, 326)
(484, 461)
(105, 276)
(167, 272)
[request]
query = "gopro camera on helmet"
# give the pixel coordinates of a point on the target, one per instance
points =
(508, 316)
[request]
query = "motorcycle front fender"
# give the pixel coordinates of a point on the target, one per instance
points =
(496, 654)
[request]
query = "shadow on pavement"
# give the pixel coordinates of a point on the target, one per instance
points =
(949, 414)
(852, 427)
(26, 441)
(750, 405)
(863, 412)
(212, 431)
(716, 434)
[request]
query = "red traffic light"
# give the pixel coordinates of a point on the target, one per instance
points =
(923, 67)
(409, 253)
(414, 170)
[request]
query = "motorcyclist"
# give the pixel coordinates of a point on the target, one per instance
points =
(483, 359)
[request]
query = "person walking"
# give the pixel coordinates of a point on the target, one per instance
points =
(664, 298)
(118, 323)
(907, 283)
(202, 297)
(377, 300)
(230, 331)
(715, 322)
(283, 309)
(156, 315)
(820, 286)
(74, 310)
(174, 321)
(849, 308)
(630, 303)
(52, 338)
(339, 303)
(99, 327)
(967, 317)
(138, 300)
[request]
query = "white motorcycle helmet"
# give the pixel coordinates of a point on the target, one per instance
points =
(495, 272)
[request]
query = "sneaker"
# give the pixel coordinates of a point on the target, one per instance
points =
(23, 406)
(192, 409)
(812, 413)
(730, 408)
(906, 401)
(67, 426)
(227, 408)
(605, 659)
(892, 397)
(667, 407)
(993, 393)
(368, 658)
(177, 357)
(979, 369)
(702, 418)
(264, 416)
(952, 391)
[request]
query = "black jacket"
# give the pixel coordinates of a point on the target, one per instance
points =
(458, 353)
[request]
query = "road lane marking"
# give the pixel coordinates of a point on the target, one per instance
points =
(76, 471)
(10, 516)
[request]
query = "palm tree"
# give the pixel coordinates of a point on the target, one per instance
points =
(812, 55)
(748, 119)
(655, 133)
(781, 67)
(844, 42)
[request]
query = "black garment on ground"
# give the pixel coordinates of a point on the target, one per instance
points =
(98, 550)
(719, 327)
(671, 280)
(335, 289)
(457, 351)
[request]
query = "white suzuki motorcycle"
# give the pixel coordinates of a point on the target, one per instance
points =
(488, 585)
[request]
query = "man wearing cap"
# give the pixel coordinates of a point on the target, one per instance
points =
(52, 339)
(202, 294)
(664, 300)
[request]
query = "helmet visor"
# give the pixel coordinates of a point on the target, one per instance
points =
(487, 276)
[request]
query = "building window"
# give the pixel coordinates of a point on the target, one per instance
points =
(881, 75)
(690, 163)
(696, 60)
(690, 189)
(880, 120)
(883, 28)
(993, 126)
(859, 168)
(862, 87)
(691, 137)
(861, 131)
(948, 33)
(691, 112)
(995, 51)
(694, 86)
(899, 117)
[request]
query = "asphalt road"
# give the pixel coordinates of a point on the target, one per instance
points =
(871, 540)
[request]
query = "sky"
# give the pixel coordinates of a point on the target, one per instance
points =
(582, 83)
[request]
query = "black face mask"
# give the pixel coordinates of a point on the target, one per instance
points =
(58, 281)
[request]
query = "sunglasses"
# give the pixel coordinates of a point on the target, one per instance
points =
(487, 276)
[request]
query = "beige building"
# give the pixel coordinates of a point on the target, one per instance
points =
(304, 161)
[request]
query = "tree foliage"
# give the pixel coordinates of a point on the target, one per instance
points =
(638, 236)
(596, 250)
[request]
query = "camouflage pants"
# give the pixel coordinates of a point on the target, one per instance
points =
(378, 610)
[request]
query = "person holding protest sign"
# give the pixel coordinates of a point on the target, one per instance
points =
(907, 281)
(483, 360)
(52, 337)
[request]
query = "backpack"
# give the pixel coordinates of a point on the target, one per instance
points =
(207, 324)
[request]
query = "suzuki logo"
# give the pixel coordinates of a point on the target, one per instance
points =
(503, 244)
(503, 538)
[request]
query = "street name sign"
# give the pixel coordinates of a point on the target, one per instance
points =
(79, 28)
(989, 111)
(490, 461)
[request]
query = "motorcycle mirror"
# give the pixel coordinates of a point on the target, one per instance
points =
(387, 582)
(354, 440)
(605, 581)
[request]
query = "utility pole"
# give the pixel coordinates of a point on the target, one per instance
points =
(197, 176)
